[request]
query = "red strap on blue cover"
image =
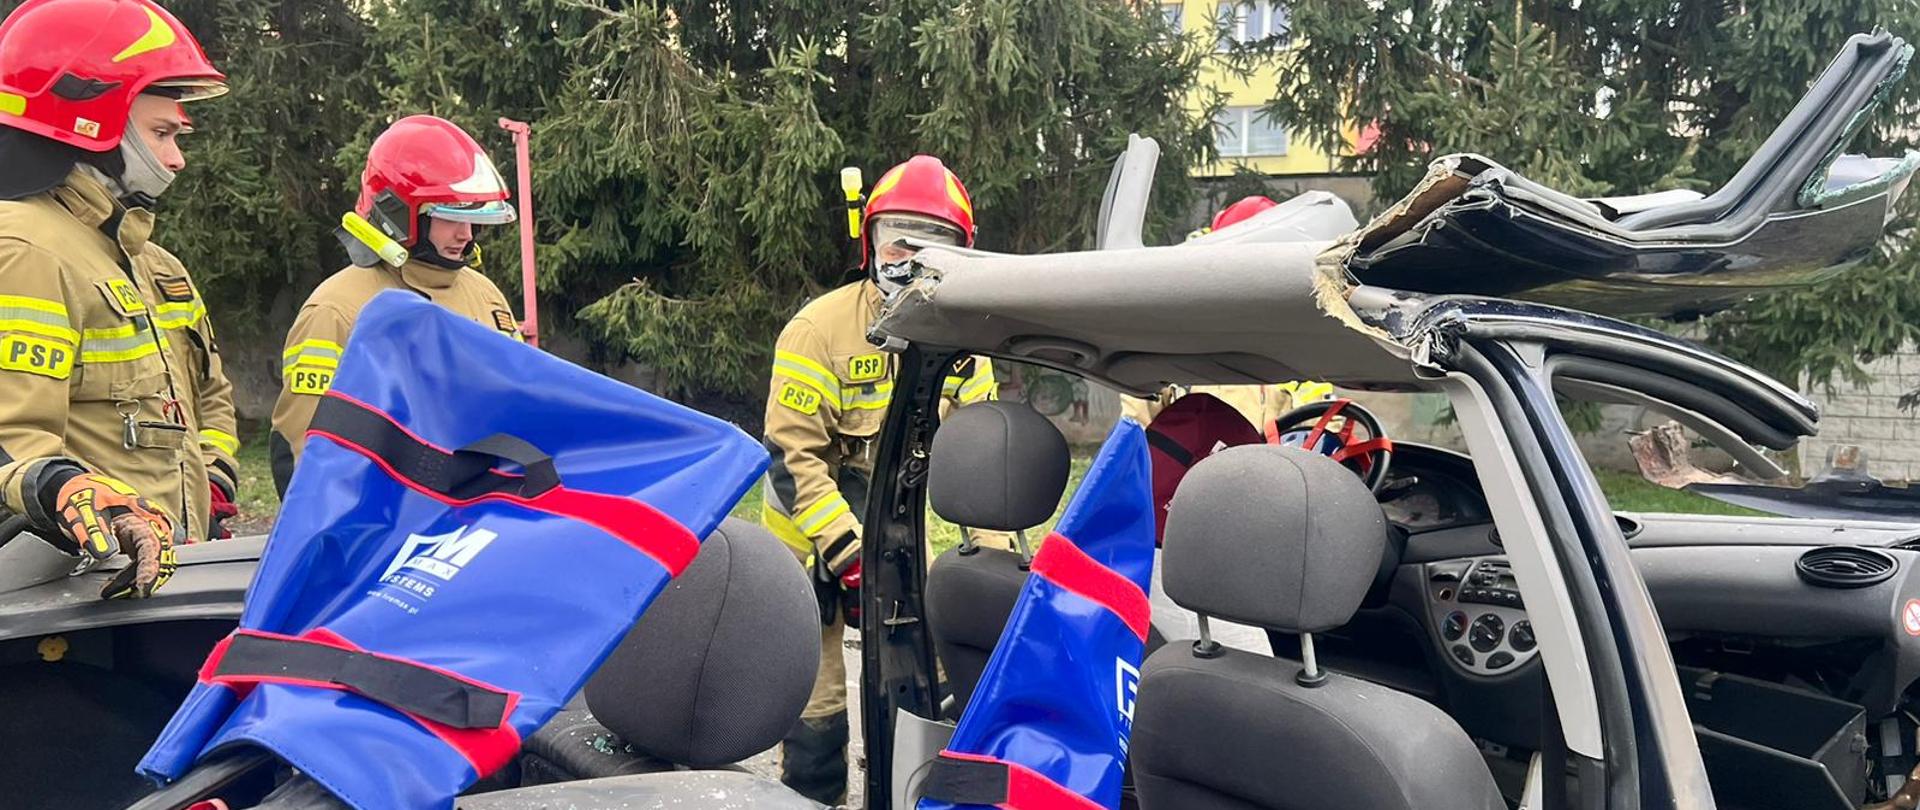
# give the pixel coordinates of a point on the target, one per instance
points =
(1064, 564)
(978, 779)
(422, 466)
(314, 660)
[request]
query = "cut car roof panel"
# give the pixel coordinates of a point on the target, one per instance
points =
(1141, 318)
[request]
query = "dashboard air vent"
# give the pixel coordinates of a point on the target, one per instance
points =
(1845, 567)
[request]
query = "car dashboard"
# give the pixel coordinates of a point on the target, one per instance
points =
(1730, 592)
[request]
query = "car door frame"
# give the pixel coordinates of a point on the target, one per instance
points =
(1621, 711)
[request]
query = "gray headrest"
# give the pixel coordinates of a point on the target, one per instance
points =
(997, 465)
(721, 664)
(1273, 537)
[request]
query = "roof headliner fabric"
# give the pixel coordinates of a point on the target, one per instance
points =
(1145, 317)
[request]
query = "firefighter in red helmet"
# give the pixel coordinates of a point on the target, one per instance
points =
(1240, 211)
(116, 427)
(829, 394)
(426, 185)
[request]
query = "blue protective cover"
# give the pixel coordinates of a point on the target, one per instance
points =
(1057, 696)
(533, 610)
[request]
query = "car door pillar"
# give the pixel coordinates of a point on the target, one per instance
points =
(1650, 756)
(897, 672)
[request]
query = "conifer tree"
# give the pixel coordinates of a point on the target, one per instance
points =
(1616, 97)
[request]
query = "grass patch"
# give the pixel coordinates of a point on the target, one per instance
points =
(256, 500)
(1628, 492)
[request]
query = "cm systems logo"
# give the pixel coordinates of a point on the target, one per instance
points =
(440, 556)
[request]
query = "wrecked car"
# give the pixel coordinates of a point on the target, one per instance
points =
(1556, 654)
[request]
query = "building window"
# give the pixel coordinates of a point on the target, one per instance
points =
(1175, 16)
(1248, 22)
(1247, 132)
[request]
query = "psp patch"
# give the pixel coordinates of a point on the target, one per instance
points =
(309, 380)
(123, 297)
(867, 367)
(36, 355)
(800, 399)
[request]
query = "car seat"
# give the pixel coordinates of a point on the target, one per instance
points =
(1289, 541)
(716, 671)
(999, 466)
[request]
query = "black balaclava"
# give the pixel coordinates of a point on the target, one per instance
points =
(424, 250)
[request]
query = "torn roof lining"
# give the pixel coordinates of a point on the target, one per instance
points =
(1140, 318)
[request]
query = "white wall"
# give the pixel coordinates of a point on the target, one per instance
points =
(1870, 418)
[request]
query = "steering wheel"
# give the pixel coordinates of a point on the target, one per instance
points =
(1328, 428)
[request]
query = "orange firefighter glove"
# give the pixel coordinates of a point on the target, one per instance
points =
(102, 515)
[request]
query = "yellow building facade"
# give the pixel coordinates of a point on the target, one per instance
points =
(1244, 135)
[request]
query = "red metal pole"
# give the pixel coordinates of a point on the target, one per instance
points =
(530, 321)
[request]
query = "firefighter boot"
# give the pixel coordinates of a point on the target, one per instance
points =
(813, 759)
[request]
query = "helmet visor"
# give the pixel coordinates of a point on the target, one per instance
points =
(189, 89)
(492, 212)
(890, 229)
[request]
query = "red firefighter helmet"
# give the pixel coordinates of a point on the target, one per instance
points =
(424, 165)
(1241, 211)
(922, 186)
(69, 69)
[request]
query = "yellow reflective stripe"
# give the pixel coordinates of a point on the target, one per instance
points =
(118, 350)
(783, 527)
(35, 304)
(38, 316)
(36, 327)
(316, 346)
(176, 316)
(871, 400)
(886, 184)
(221, 440)
(159, 35)
(321, 362)
(811, 374)
(821, 515)
(118, 344)
(980, 386)
(314, 352)
(951, 387)
(114, 333)
(957, 195)
(1305, 391)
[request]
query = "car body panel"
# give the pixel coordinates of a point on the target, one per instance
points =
(705, 790)
(211, 583)
(1795, 213)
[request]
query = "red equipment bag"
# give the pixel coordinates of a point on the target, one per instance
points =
(1193, 427)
